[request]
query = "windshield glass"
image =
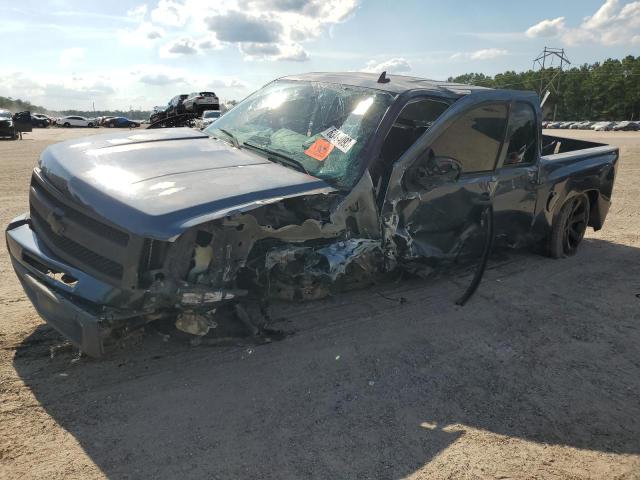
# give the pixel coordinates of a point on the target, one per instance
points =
(211, 114)
(322, 128)
(5, 114)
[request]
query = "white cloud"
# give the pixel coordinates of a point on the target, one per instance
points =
(227, 83)
(143, 35)
(182, 46)
(546, 28)
(160, 79)
(609, 25)
(141, 87)
(137, 13)
(274, 29)
(483, 54)
(70, 56)
(169, 12)
(209, 43)
(393, 65)
(260, 29)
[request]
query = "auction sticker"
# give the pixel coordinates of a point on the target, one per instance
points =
(337, 137)
(320, 149)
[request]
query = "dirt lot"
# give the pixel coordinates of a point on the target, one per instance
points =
(537, 377)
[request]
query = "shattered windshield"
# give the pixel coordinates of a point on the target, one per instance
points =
(5, 114)
(314, 127)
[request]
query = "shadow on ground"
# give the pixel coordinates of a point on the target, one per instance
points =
(546, 351)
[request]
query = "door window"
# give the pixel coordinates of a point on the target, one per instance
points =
(474, 139)
(522, 137)
(415, 118)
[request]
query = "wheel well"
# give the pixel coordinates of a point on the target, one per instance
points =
(594, 213)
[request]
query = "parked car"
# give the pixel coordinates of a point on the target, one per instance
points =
(75, 121)
(554, 125)
(40, 120)
(121, 122)
(208, 116)
(7, 128)
(345, 178)
(176, 105)
(626, 127)
(13, 124)
(198, 102)
(603, 126)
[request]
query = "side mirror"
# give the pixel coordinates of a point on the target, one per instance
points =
(429, 171)
(446, 167)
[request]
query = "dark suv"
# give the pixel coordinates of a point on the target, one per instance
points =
(176, 106)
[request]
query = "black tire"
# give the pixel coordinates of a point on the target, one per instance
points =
(16, 134)
(569, 227)
(90, 125)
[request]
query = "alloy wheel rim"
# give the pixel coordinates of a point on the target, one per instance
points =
(575, 225)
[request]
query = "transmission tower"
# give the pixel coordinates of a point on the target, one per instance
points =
(551, 58)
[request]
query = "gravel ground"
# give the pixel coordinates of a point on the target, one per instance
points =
(537, 377)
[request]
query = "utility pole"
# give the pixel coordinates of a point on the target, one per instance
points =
(548, 59)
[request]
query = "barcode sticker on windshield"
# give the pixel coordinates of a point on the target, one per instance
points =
(337, 137)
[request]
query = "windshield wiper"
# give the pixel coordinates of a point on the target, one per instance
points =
(231, 136)
(277, 156)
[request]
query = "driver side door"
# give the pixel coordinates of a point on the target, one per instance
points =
(435, 212)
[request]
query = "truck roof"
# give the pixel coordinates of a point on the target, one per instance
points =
(399, 83)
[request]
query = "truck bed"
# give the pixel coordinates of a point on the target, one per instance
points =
(552, 145)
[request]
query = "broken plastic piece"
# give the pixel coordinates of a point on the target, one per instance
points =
(193, 323)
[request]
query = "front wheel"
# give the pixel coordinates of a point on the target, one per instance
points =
(90, 125)
(66, 125)
(569, 227)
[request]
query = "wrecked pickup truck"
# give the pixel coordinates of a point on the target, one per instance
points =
(313, 184)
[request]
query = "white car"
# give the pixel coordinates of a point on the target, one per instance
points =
(198, 102)
(603, 126)
(208, 117)
(75, 121)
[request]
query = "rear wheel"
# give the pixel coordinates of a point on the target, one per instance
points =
(569, 227)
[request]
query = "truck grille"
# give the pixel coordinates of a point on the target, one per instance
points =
(81, 240)
(79, 253)
(111, 233)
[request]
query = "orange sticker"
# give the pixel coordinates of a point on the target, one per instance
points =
(320, 149)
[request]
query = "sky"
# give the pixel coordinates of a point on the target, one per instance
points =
(123, 54)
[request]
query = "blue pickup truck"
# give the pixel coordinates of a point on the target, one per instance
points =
(312, 185)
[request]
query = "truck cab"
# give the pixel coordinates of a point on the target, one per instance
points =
(312, 185)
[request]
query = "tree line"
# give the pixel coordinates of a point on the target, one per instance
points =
(608, 90)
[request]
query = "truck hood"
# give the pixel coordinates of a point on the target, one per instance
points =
(158, 183)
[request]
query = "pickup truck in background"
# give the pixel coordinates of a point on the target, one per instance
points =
(13, 125)
(312, 185)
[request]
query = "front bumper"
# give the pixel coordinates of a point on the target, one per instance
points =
(6, 131)
(75, 309)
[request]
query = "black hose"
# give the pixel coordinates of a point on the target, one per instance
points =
(487, 213)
